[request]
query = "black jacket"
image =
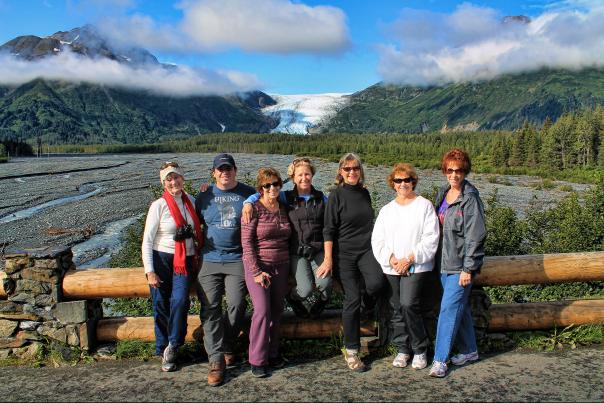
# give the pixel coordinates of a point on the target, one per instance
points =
(306, 218)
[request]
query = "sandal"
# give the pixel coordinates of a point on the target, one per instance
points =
(353, 361)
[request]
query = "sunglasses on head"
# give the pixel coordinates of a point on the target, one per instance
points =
(401, 180)
(457, 171)
(267, 186)
(348, 169)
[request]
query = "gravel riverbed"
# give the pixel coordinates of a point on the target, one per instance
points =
(104, 189)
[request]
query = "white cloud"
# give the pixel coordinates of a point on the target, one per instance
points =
(176, 81)
(264, 26)
(474, 43)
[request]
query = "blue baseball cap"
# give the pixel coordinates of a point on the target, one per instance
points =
(224, 159)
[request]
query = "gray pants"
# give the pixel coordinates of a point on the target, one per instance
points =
(305, 273)
(219, 329)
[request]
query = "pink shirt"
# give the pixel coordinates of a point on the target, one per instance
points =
(265, 239)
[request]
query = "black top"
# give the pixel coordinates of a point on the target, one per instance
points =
(349, 219)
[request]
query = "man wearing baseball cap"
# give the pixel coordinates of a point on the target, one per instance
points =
(222, 270)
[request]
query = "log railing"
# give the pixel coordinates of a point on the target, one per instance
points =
(497, 271)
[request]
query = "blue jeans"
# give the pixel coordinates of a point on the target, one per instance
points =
(455, 319)
(170, 302)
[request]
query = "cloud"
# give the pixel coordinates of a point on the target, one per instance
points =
(475, 43)
(175, 80)
(263, 26)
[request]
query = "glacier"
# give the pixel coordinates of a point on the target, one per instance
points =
(299, 113)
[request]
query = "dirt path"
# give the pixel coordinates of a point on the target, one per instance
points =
(576, 375)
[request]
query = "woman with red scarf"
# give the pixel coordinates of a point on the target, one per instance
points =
(171, 243)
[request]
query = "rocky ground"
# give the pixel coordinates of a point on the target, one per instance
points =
(118, 186)
(571, 375)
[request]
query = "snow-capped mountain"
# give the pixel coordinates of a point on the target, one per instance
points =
(299, 113)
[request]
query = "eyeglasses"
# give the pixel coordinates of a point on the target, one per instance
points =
(401, 180)
(456, 171)
(225, 168)
(348, 169)
(267, 186)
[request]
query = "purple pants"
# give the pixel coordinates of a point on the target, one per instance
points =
(268, 308)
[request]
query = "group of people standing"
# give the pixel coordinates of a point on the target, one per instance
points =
(250, 241)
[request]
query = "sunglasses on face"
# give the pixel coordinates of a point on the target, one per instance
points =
(401, 180)
(267, 186)
(225, 168)
(349, 169)
(455, 171)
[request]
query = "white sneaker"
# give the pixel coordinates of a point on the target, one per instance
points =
(438, 370)
(401, 360)
(461, 359)
(420, 361)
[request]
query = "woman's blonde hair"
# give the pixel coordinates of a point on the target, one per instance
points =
(302, 161)
(345, 159)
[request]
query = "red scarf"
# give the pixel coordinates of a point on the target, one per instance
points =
(180, 247)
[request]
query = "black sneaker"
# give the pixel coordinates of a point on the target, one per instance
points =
(259, 371)
(298, 307)
(277, 362)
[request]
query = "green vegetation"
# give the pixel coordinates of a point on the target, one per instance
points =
(56, 112)
(571, 336)
(501, 103)
(563, 150)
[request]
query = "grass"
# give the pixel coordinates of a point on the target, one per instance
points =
(557, 339)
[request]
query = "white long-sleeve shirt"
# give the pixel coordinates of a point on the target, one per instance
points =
(405, 230)
(160, 229)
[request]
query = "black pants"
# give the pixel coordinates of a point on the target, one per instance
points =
(408, 331)
(354, 270)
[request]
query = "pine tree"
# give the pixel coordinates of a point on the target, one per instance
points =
(518, 149)
(500, 152)
(533, 146)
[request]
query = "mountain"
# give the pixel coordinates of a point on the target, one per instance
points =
(65, 112)
(501, 103)
(85, 41)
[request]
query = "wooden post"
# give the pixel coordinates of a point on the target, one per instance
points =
(545, 315)
(497, 271)
(542, 269)
(504, 317)
(292, 327)
(2, 292)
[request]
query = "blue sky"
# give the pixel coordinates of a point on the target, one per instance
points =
(293, 47)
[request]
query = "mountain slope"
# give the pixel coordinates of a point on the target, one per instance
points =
(502, 103)
(62, 112)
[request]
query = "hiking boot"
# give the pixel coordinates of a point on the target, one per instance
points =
(461, 359)
(216, 373)
(420, 361)
(438, 370)
(401, 360)
(277, 362)
(298, 307)
(317, 308)
(231, 359)
(259, 371)
(168, 362)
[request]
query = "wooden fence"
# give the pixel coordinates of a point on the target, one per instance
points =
(497, 271)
